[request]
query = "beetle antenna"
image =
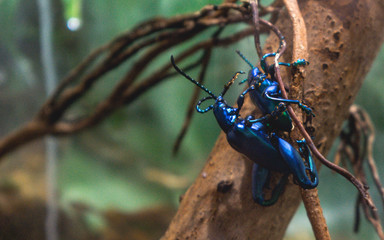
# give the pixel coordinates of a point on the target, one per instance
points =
(226, 86)
(245, 59)
(191, 79)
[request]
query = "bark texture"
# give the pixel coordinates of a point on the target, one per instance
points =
(344, 37)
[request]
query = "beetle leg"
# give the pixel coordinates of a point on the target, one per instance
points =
(310, 165)
(240, 99)
(260, 180)
(271, 68)
(305, 108)
(299, 62)
(296, 165)
(267, 117)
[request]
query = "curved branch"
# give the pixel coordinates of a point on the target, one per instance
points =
(256, 35)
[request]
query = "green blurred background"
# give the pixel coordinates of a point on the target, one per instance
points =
(125, 164)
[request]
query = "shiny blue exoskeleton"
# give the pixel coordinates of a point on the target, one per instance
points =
(253, 138)
(265, 92)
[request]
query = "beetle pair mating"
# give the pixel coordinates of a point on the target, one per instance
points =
(257, 139)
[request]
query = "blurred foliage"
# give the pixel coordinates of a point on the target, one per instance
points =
(109, 167)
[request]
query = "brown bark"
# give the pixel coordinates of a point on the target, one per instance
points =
(343, 39)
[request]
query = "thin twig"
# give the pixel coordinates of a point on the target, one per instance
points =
(255, 18)
(356, 145)
(370, 131)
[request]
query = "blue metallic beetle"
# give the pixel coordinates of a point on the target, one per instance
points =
(254, 138)
(265, 91)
